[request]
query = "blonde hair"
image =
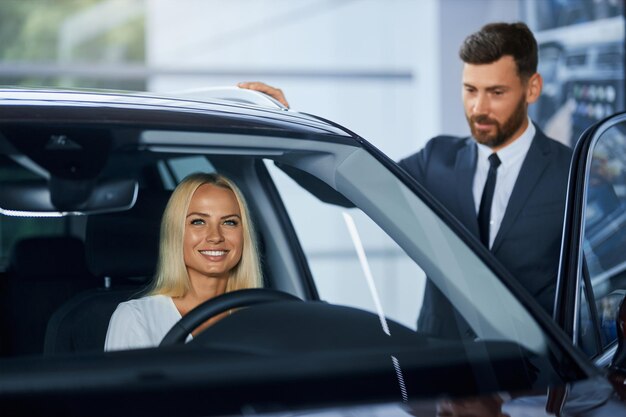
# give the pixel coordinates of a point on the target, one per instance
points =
(171, 277)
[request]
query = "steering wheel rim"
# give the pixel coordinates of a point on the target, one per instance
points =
(214, 306)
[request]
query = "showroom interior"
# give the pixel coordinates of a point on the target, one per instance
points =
(387, 70)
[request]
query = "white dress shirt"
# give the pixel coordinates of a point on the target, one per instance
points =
(512, 156)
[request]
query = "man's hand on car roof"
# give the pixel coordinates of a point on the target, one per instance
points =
(273, 92)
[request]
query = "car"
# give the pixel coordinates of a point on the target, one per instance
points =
(347, 240)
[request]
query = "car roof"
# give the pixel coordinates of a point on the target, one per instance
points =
(225, 114)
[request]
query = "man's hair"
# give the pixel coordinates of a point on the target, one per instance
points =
(495, 40)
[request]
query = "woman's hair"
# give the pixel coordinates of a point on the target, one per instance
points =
(171, 277)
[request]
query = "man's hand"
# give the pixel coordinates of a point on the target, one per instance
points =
(273, 92)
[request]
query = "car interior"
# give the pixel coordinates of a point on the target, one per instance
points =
(64, 271)
(71, 271)
(72, 280)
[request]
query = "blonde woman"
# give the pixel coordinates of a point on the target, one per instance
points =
(207, 248)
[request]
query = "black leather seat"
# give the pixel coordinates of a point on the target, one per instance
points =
(80, 325)
(121, 249)
(44, 272)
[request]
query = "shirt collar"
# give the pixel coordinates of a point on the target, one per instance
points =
(519, 147)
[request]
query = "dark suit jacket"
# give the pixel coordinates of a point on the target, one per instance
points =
(528, 241)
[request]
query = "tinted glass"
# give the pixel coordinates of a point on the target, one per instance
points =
(605, 227)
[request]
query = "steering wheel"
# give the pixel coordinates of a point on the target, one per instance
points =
(219, 304)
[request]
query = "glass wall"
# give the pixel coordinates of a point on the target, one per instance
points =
(581, 59)
(73, 43)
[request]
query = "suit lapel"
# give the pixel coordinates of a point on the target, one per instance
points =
(464, 168)
(534, 165)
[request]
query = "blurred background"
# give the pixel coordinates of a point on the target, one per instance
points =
(386, 69)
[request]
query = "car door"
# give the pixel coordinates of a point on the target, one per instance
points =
(592, 277)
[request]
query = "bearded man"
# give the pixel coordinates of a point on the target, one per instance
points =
(506, 183)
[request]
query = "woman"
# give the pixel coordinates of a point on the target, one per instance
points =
(207, 248)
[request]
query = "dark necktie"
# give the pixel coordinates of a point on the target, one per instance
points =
(484, 211)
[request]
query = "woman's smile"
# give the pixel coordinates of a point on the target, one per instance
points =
(213, 240)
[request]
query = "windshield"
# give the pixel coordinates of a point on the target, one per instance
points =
(390, 245)
(334, 227)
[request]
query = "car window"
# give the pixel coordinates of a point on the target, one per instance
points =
(13, 229)
(604, 238)
(588, 331)
(425, 249)
(330, 209)
(173, 170)
(352, 260)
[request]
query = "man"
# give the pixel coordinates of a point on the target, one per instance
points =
(514, 200)
(524, 225)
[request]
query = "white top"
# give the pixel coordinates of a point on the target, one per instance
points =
(512, 156)
(141, 323)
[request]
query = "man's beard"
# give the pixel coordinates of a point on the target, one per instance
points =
(503, 133)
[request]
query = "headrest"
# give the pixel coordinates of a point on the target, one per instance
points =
(49, 259)
(125, 244)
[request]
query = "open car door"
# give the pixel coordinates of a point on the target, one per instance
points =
(592, 277)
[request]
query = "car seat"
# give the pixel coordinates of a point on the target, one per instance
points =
(43, 273)
(122, 250)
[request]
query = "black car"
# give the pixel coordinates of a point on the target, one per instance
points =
(347, 242)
